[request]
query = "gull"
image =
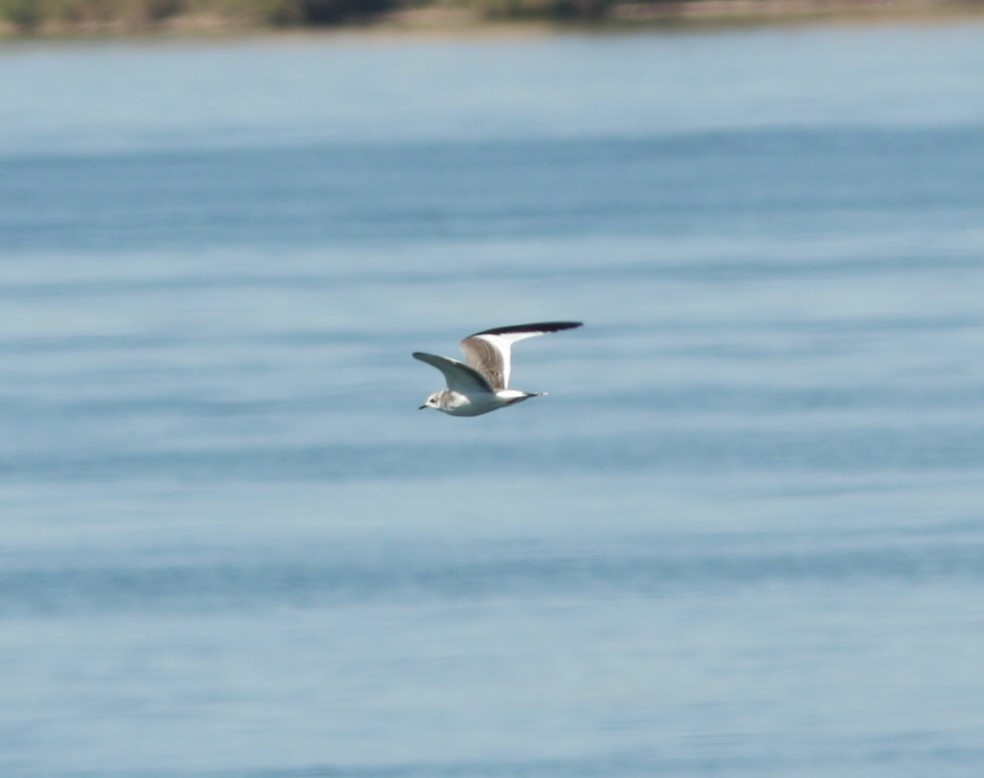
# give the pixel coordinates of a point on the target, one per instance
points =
(481, 385)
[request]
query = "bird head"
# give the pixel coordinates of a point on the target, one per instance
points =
(431, 402)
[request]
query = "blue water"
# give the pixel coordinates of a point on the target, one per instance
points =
(742, 536)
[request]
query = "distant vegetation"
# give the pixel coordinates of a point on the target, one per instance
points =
(102, 16)
(95, 15)
(143, 14)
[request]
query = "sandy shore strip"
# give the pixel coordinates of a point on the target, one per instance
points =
(21, 19)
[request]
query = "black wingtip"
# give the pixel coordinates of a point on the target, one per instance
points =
(543, 326)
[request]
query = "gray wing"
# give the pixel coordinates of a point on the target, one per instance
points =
(460, 377)
(489, 358)
(490, 351)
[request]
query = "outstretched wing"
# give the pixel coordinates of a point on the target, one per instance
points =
(490, 351)
(460, 377)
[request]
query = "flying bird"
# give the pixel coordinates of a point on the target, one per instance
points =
(482, 385)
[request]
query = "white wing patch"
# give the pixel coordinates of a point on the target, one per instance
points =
(490, 351)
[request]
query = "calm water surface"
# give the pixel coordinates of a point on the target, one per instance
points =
(744, 535)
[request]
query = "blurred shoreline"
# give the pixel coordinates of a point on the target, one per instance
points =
(32, 19)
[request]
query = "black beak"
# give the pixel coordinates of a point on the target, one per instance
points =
(421, 407)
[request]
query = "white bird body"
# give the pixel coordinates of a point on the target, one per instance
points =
(481, 385)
